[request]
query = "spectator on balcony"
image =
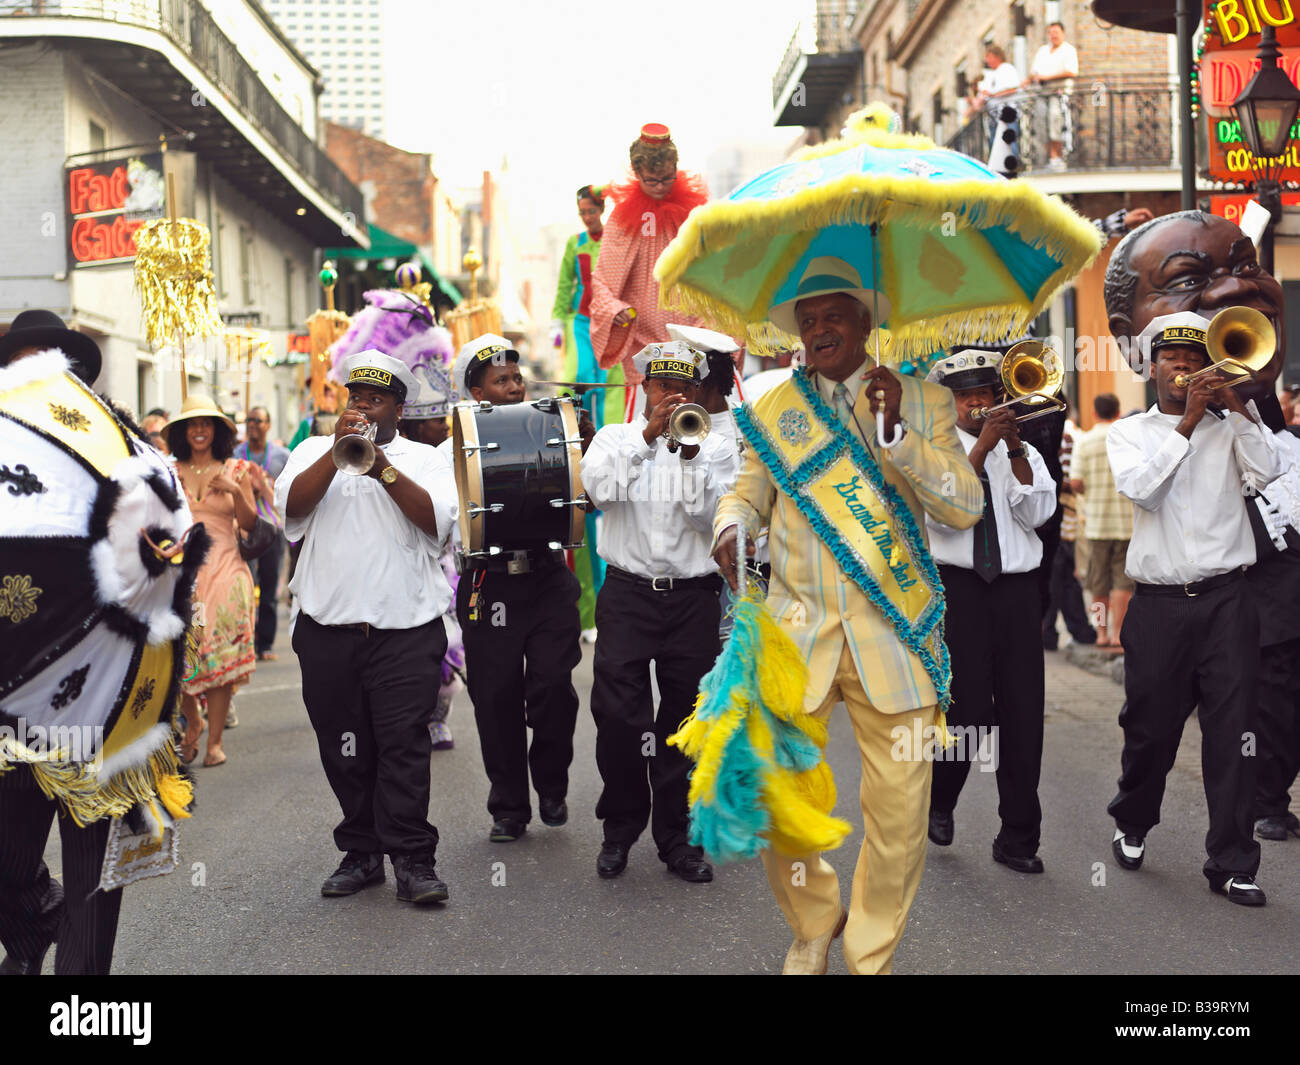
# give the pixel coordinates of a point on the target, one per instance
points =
(1053, 70)
(999, 85)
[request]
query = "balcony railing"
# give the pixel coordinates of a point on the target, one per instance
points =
(188, 25)
(1097, 128)
(832, 23)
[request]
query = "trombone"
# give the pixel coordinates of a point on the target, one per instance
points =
(1239, 339)
(1031, 373)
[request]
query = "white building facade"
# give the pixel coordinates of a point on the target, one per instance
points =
(87, 104)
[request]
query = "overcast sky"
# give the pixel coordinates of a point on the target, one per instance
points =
(561, 88)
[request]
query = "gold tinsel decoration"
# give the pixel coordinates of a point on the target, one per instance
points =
(324, 328)
(475, 316)
(175, 285)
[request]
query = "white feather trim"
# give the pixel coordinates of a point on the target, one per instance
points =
(164, 626)
(36, 367)
(108, 582)
(138, 752)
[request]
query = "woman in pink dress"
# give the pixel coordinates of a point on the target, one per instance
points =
(220, 494)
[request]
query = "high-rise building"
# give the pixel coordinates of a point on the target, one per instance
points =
(343, 40)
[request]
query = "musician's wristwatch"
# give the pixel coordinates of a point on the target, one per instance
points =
(389, 475)
(1016, 453)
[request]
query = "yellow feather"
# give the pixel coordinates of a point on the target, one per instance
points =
(176, 793)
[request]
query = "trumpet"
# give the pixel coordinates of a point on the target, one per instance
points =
(1240, 340)
(1031, 373)
(354, 453)
(688, 425)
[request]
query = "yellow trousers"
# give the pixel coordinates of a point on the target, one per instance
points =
(895, 795)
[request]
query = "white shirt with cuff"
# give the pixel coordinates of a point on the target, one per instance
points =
(657, 508)
(1018, 509)
(1190, 519)
(362, 559)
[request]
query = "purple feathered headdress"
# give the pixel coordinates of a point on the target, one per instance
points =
(401, 326)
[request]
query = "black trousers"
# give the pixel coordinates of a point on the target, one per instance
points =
(645, 779)
(1279, 727)
(1066, 597)
(519, 659)
(34, 908)
(367, 694)
(1181, 652)
(995, 643)
(266, 571)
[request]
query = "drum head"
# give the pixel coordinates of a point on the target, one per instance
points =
(469, 475)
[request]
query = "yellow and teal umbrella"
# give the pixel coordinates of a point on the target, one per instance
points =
(959, 252)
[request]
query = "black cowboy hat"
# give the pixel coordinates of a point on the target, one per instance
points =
(45, 329)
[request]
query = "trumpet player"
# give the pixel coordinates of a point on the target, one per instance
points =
(1191, 635)
(369, 634)
(990, 576)
(659, 603)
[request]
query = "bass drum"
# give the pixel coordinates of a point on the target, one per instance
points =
(518, 476)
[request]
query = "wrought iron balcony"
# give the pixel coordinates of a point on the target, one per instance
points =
(808, 84)
(145, 74)
(1097, 128)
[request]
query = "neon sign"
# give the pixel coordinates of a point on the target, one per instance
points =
(107, 202)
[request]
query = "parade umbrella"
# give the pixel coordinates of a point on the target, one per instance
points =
(956, 252)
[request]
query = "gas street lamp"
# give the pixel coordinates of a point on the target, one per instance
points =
(1266, 110)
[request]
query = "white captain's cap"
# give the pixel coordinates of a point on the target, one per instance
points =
(968, 368)
(702, 339)
(676, 360)
(487, 348)
(1185, 327)
(377, 370)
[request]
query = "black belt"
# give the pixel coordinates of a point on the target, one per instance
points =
(1193, 588)
(664, 584)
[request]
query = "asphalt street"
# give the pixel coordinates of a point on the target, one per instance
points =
(246, 898)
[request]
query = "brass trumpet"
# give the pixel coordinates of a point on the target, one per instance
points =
(1031, 373)
(688, 425)
(1239, 340)
(354, 453)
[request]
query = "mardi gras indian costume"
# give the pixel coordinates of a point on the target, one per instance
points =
(96, 572)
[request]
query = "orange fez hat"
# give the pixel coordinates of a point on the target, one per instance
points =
(652, 132)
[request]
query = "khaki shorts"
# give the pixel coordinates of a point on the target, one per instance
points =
(1106, 568)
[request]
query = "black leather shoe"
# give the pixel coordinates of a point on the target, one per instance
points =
(1242, 890)
(940, 828)
(1292, 822)
(1271, 828)
(1031, 864)
(506, 830)
(612, 859)
(691, 868)
(357, 870)
(1129, 850)
(417, 879)
(12, 966)
(553, 812)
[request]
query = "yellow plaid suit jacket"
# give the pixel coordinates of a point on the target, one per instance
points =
(819, 606)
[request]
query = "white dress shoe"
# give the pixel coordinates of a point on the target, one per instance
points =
(810, 957)
(1242, 890)
(1129, 850)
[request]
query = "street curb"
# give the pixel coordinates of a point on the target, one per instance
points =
(1102, 663)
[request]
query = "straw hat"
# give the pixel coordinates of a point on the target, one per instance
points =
(197, 405)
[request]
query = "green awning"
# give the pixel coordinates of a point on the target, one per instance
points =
(384, 245)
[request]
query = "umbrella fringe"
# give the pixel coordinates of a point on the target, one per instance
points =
(1042, 222)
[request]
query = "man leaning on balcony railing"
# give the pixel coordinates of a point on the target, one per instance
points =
(1054, 69)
